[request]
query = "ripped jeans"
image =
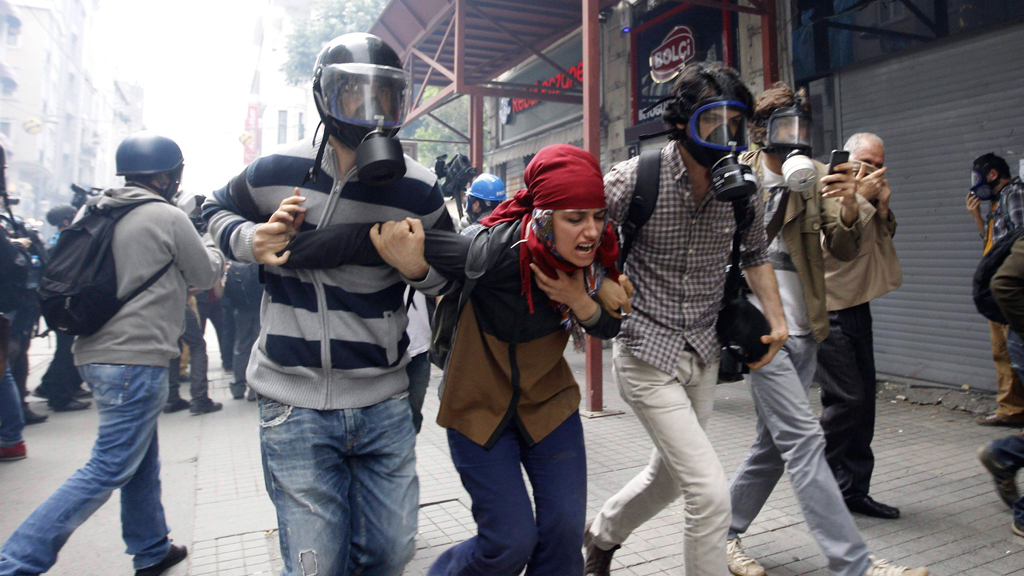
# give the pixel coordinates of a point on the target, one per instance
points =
(345, 487)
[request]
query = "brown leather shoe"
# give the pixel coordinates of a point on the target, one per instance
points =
(599, 562)
(994, 419)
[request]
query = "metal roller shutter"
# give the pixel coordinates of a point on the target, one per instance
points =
(937, 109)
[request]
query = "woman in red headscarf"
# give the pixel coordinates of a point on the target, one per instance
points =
(509, 399)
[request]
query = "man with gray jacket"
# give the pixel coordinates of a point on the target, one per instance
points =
(125, 364)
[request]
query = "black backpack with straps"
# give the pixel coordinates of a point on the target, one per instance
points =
(78, 292)
(987, 268)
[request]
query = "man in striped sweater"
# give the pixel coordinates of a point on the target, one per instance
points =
(329, 365)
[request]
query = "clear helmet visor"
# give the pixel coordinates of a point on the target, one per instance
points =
(789, 131)
(720, 125)
(366, 95)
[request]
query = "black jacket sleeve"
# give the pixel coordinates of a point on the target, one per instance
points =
(607, 326)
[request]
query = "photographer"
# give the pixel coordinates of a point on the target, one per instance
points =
(846, 359)
(12, 420)
(30, 260)
(991, 182)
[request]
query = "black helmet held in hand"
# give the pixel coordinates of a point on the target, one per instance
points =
(141, 157)
(362, 95)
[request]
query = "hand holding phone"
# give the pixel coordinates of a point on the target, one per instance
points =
(838, 157)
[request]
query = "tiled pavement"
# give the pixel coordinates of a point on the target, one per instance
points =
(926, 465)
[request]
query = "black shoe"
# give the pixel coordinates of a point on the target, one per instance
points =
(31, 417)
(867, 506)
(994, 419)
(174, 555)
(82, 394)
(1005, 478)
(1017, 528)
(237, 393)
(251, 396)
(176, 405)
(598, 561)
(205, 407)
(71, 406)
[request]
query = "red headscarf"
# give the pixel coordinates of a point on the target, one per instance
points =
(560, 177)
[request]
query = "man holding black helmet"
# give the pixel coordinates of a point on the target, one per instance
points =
(157, 254)
(991, 182)
(805, 206)
(329, 366)
(666, 357)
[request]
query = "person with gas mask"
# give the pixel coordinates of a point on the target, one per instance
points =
(846, 358)
(484, 195)
(991, 182)
(804, 207)
(332, 350)
(666, 357)
(125, 364)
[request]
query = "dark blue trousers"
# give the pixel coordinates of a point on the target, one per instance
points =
(1009, 452)
(509, 536)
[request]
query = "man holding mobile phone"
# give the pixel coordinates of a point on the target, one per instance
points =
(991, 182)
(846, 358)
(802, 214)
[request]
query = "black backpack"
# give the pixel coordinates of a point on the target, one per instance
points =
(987, 268)
(641, 206)
(78, 292)
(13, 274)
(242, 286)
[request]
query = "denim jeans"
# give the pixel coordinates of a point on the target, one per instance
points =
(509, 538)
(125, 457)
(1009, 452)
(12, 421)
(344, 484)
(198, 362)
(418, 370)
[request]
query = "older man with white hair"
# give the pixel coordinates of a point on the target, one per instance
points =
(846, 358)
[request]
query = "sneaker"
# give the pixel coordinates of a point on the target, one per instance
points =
(12, 453)
(739, 563)
(885, 568)
(599, 561)
(205, 407)
(176, 405)
(1004, 478)
(174, 555)
(1017, 528)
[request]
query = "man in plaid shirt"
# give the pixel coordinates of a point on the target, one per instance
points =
(991, 181)
(666, 357)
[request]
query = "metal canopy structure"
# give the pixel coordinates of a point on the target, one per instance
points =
(461, 47)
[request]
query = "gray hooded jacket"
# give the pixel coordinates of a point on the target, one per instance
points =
(145, 331)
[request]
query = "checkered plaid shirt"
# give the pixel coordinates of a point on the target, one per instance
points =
(678, 263)
(1009, 214)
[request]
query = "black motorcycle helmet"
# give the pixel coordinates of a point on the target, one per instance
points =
(143, 155)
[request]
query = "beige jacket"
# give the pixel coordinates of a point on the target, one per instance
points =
(876, 269)
(808, 218)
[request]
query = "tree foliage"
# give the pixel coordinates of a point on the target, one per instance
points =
(329, 19)
(455, 113)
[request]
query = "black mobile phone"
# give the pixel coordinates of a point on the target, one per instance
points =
(838, 157)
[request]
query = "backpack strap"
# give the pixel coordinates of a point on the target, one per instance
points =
(145, 285)
(641, 206)
(117, 214)
(734, 279)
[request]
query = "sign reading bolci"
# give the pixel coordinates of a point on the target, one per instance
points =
(675, 51)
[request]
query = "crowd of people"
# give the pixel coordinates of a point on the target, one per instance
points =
(335, 276)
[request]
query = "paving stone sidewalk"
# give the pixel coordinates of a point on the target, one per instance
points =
(926, 465)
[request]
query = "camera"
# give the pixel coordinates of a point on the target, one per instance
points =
(81, 195)
(457, 173)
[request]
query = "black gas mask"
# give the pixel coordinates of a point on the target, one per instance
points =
(789, 135)
(981, 187)
(362, 95)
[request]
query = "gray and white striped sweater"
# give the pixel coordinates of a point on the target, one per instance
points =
(329, 339)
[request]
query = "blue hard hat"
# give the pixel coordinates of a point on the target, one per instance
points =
(147, 153)
(488, 187)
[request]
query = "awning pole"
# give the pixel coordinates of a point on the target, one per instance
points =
(592, 144)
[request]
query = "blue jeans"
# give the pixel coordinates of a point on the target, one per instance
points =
(345, 487)
(12, 421)
(1009, 452)
(418, 370)
(125, 457)
(509, 538)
